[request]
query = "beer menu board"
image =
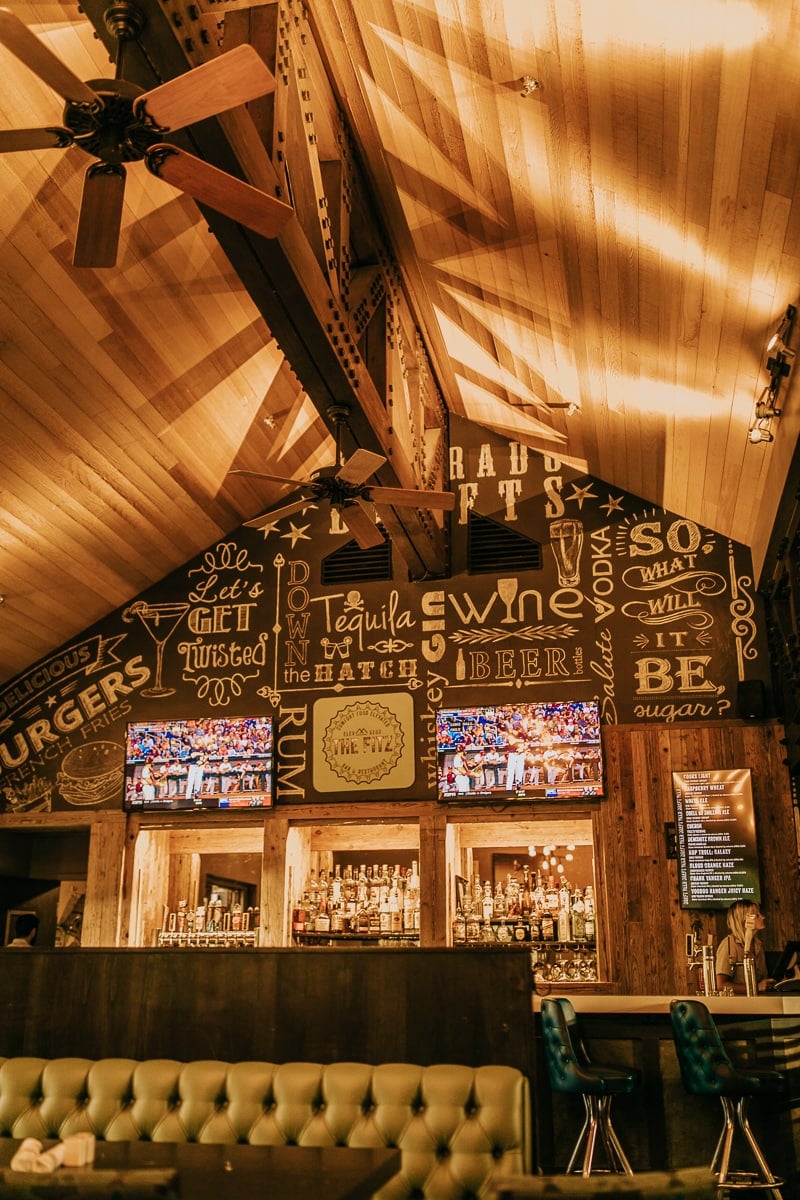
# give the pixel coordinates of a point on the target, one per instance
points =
(715, 826)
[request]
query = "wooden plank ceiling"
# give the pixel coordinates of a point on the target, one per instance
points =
(506, 211)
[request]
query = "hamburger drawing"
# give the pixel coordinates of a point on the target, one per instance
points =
(91, 774)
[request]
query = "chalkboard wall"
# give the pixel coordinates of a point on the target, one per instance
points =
(561, 588)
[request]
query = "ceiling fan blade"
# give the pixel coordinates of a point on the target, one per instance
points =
(362, 527)
(50, 138)
(234, 78)
(100, 216)
(274, 514)
(270, 478)
(29, 49)
(359, 466)
(219, 190)
(409, 498)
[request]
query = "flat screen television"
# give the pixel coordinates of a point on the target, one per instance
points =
(524, 751)
(199, 763)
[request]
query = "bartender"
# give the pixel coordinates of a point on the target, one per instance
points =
(745, 922)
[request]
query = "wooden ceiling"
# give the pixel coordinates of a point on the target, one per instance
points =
(530, 205)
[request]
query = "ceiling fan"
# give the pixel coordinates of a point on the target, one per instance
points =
(116, 121)
(345, 487)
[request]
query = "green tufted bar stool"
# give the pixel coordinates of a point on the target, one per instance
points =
(572, 1072)
(706, 1070)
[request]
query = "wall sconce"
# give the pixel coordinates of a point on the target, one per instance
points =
(778, 367)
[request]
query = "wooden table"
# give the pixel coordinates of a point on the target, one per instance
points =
(239, 1172)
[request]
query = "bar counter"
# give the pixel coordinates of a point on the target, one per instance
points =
(661, 1126)
(769, 1004)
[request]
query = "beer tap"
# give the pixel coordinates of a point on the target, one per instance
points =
(701, 958)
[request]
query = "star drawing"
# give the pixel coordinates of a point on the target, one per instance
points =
(297, 533)
(582, 493)
(613, 504)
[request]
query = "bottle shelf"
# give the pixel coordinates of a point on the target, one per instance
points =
(537, 944)
(367, 939)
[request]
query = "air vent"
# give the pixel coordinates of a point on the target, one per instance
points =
(349, 564)
(493, 548)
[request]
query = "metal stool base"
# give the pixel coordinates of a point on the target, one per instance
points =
(598, 1120)
(735, 1117)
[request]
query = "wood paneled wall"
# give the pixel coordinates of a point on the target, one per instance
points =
(422, 1006)
(644, 927)
(641, 925)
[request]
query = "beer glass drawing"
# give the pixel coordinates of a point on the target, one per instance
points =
(160, 621)
(566, 538)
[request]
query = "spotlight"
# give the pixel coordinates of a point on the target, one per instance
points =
(778, 340)
(760, 433)
(764, 411)
(777, 345)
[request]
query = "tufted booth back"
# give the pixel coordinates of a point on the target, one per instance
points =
(456, 1126)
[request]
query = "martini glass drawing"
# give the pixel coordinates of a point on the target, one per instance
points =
(160, 621)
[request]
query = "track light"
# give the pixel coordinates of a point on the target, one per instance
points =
(778, 367)
(778, 340)
(778, 346)
(765, 410)
(760, 432)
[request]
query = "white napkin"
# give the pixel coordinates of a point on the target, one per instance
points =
(77, 1150)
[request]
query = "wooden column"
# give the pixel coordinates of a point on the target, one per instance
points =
(276, 901)
(101, 917)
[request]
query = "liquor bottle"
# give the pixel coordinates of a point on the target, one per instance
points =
(588, 899)
(473, 925)
(520, 932)
(374, 912)
(548, 926)
(413, 884)
(503, 933)
(500, 907)
(535, 925)
(409, 900)
(487, 907)
(323, 920)
(459, 928)
(336, 885)
(375, 887)
(323, 889)
(526, 900)
(563, 925)
(313, 909)
(384, 912)
(338, 918)
(394, 900)
(578, 917)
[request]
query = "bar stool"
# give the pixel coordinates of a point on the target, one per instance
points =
(572, 1072)
(706, 1070)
